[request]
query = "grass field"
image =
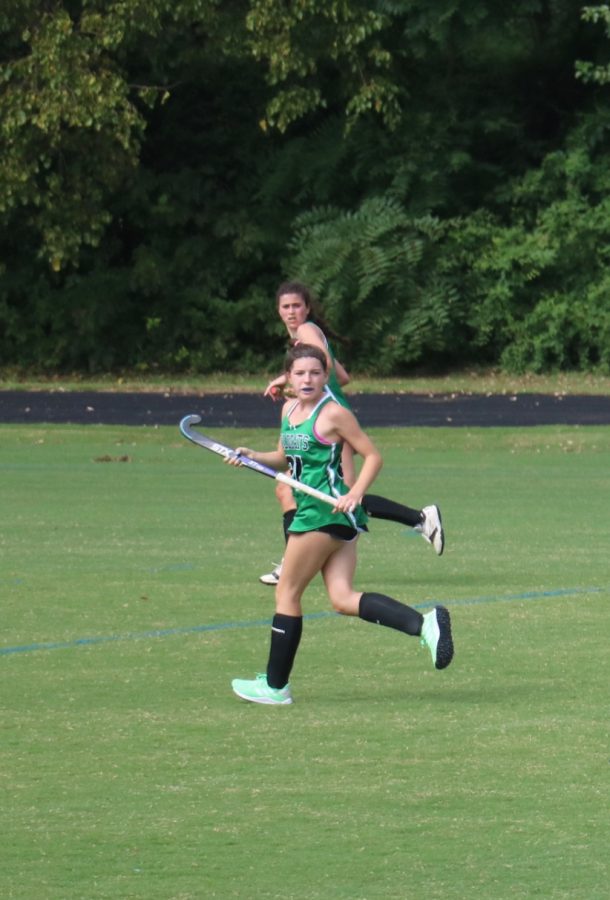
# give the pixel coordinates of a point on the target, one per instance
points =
(130, 599)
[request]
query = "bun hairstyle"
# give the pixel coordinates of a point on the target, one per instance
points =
(305, 351)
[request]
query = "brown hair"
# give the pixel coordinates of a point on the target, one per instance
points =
(302, 291)
(305, 351)
(294, 287)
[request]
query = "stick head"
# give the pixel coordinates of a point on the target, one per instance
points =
(187, 421)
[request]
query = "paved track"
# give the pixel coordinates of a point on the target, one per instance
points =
(252, 410)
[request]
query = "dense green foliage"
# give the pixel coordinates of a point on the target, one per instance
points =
(436, 169)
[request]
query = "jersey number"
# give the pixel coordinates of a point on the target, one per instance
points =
(296, 466)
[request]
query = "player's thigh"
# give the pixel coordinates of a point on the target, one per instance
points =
(285, 496)
(338, 574)
(305, 556)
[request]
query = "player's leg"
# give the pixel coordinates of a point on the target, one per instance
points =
(288, 506)
(305, 556)
(338, 574)
(427, 520)
(434, 628)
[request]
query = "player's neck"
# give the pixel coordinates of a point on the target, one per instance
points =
(306, 405)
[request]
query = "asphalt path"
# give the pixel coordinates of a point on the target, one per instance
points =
(253, 410)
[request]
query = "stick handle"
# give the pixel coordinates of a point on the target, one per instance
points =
(186, 427)
(305, 488)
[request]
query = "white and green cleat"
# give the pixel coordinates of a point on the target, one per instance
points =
(436, 636)
(258, 691)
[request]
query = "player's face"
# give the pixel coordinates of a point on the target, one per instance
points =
(293, 311)
(308, 378)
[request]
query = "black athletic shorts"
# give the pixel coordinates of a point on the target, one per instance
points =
(342, 532)
(339, 532)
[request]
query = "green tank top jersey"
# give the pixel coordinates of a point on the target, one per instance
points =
(333, 383)
(317, 463)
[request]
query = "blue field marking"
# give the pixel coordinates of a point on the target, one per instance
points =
(525, 595)
(257, 623)
(144, 635)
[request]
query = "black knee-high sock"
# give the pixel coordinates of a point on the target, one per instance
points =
(285, 638)
(382, 610)
(287, 521)
(381, 508)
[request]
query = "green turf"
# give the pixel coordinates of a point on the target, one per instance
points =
(130, 599)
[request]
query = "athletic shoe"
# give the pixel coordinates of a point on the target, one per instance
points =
(431, 529)
(436, 635)
(273, 577)
(258, 691)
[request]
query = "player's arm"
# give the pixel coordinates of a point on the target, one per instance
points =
(341, 373)
(338, 423)
(275, 388)
(275, 459)
(308, 333)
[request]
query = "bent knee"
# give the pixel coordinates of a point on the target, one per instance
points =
(347, 603)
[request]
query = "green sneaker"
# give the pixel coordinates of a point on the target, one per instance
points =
(436, 635)
(258, 691)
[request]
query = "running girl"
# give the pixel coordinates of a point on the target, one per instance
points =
(323, 539)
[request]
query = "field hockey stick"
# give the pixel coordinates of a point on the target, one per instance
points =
(229, 453)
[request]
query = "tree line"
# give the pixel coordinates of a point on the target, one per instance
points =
(437, 171)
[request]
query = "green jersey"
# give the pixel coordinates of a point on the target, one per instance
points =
(333, 382)
(316, 462)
